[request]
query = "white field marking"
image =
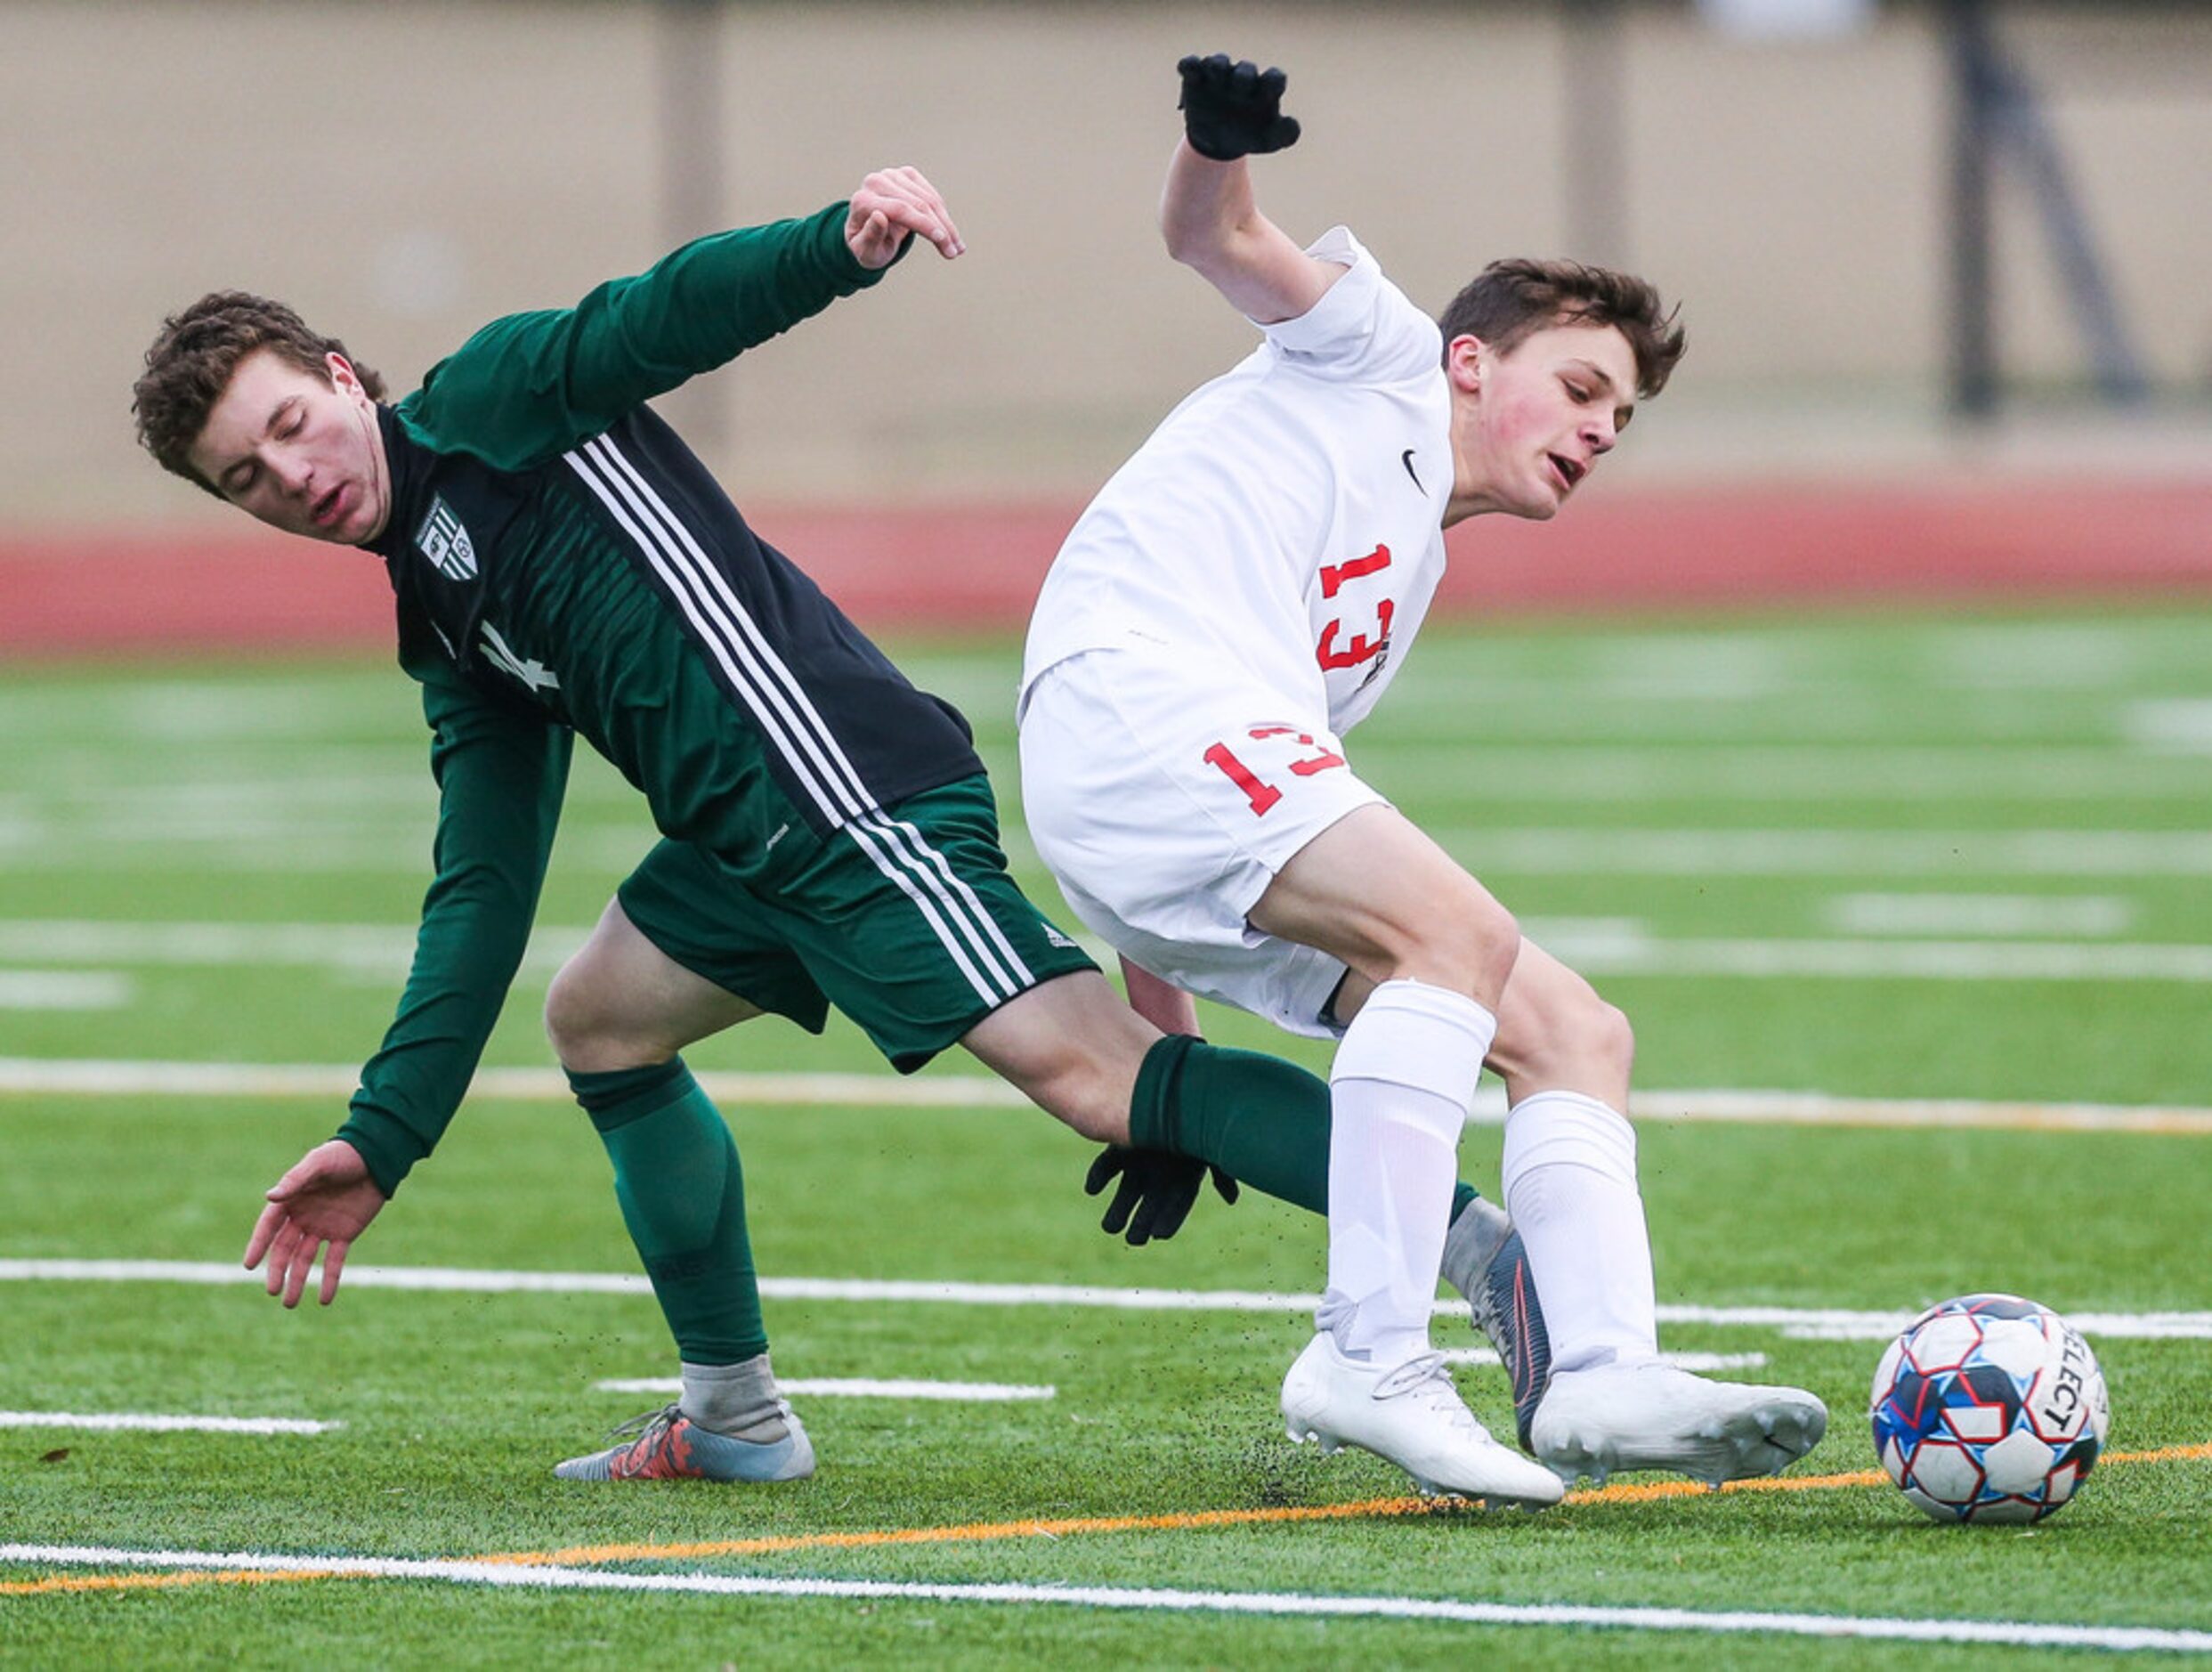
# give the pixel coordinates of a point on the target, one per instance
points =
(1804, 1324)
(42, 990)
(848, 1387)
(160, 1424)
(55, 1077)
(1884, 960)
(221, 712)
(1824, 1323)
(2034, 655)
(1151, 1598)
(1601, 946)
(1701, 1362)
(399, 846)
(375, 947)
(1704, 853)
(95, 1077)
(2172, 726)
(1818, 774)
(1812, 1108)
(1994, 914)
(1622, 946)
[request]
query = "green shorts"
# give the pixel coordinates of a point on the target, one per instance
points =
(906, 920)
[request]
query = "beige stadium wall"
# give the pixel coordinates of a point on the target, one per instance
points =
(403, 172)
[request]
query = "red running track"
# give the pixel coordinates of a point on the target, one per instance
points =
(977, 566)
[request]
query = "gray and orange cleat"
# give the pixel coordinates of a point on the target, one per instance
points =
(671, 1447)
(1485, 1260)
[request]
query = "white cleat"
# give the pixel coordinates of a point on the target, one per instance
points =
(1650, 1415)
(1411, 1415)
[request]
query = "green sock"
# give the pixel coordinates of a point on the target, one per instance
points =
(682, 1195)
(1262, 1120)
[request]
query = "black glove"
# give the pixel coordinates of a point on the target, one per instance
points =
(1230, 110)
(1157, 1191)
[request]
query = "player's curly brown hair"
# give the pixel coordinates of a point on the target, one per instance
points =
(1509, 301)
(193, 356)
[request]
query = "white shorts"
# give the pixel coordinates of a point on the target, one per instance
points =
(1164, 799)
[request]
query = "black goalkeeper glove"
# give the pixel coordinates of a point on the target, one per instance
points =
(1156, 1191)
(1231, 111)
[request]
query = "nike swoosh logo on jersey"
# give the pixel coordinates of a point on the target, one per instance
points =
(1406, 459)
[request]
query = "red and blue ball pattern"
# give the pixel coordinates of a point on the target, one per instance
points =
(1989, 1408)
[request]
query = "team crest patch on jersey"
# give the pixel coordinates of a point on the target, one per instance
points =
(444, 541)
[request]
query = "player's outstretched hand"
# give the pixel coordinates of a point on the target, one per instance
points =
(1155, 1194)
(326, 1197)
(1232, 110)
(892, 206)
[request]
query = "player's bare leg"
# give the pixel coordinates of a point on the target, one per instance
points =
(1073, 1048)
(621, 1003)
(618, 1013)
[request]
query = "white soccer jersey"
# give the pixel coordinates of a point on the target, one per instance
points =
(1287, 518)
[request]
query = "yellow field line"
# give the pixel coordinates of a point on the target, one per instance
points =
(974, 1532)
(1638, 1492)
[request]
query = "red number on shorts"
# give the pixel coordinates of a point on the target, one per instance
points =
(1260, 794)
(1318, 762)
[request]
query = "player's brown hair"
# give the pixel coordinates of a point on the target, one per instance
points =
(1509, 301)
(193, 356)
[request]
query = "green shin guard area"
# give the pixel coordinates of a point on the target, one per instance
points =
(677, 1177)
(1262, 1120)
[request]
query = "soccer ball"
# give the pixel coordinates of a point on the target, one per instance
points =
(1989, 1408)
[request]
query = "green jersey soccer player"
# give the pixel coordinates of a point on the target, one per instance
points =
(564, 567)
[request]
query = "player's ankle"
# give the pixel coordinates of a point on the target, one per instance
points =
(738, 1401)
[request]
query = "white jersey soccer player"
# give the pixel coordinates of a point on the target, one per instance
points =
(1298, 477)
(1237, 598)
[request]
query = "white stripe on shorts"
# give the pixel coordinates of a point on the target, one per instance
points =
(789, 721)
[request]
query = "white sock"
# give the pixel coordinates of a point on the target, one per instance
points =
(1399, 1094)
(1569, 1174)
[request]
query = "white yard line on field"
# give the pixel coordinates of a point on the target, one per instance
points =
(44, 990)
(1609, 946)
(373, 947)
(95, 1077)
(1577, 851)
(2023, 1632)
(1905, 960)
(150, 1423)
(1703, 1363)
(1823, 1323)
(851, 1387)
(1825, 774)
(1998, 914)
(56, 1077)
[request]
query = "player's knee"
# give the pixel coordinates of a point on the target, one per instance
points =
(567, 1015)
(584, 1027)
(1585, 1041)
(1607, 1040)
(1468, 943)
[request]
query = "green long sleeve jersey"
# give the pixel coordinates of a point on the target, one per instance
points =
(563, 566)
